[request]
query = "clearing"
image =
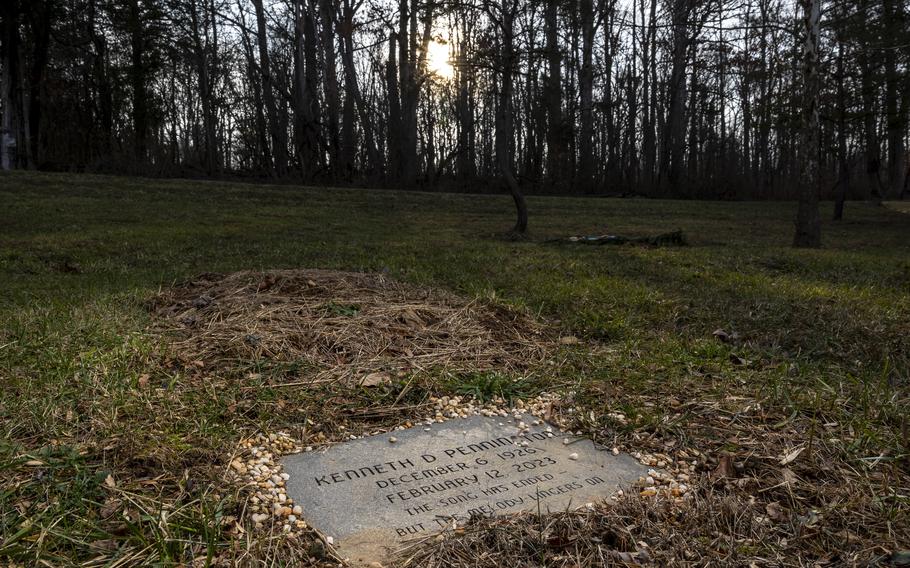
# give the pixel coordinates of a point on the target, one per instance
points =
(150, 330)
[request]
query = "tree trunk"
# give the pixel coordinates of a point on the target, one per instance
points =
(586, 85)
(808, 222)
(40, 24)
(352, 89)
(843, 181)
(674, 140)
(896, 98)
(277, 131)
(209, 161)
(12, 149)
(395, 122)
(407, 129)
(138, 82)
(631, 159)
(763, 155)
(262, 157)
(504, 112)
(306, 105)
(99, 70)
(555, 129)
(649, 139)
(331, 83)
(610, 108)
(465, 166)
(872, 150)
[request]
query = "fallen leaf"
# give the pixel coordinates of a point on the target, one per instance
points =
(34, 463)
(109, 508)
(810, 519)
(789, 477)
(721, 335)
(792, 455)
(849, 537)
(109, 481)
(412, 320)
(143, 380)
(568, 340)
(737, 360)
(776, 512)
(724, 467)
(375, 379)
(108, 545)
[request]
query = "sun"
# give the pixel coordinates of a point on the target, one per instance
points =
(438, 61)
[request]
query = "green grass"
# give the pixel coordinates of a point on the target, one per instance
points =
(823, 337)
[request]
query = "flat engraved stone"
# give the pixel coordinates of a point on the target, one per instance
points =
(370, 495)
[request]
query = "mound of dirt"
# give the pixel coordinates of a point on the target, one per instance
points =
(344, 324)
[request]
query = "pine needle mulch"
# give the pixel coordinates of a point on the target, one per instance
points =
(342, 325)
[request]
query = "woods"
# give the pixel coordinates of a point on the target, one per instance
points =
(667, 98)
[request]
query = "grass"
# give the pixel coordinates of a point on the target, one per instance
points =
(112, 449)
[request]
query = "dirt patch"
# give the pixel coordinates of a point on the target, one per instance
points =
(343, 324)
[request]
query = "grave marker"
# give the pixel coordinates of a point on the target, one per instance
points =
(371, 494)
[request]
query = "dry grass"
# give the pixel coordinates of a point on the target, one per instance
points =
(713, 529)
(342, 324)
(773, 488)
(822, 366)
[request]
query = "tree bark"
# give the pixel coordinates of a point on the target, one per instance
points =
(331, 84)
(465, 166)
(649, 138)
(12, 148)
(504, 112)
(395, 121)
(352, 89)
(306, 104)
(586, 86)
(210, 162)
(138, 81)
(843, 180)
(896, 98)
(262, 156)
(105, 112)
(556, 149)
(674, 140)
(277, 131)
(872, 150)
(808, 222)
(40, 24)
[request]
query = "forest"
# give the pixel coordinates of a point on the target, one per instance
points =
(659, 98)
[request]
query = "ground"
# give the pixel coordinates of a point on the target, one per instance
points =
(114, 449)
